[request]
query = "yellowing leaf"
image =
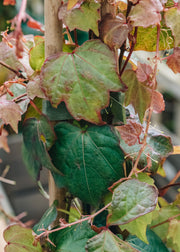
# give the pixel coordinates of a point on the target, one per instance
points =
(174, 232)
(138, 226)
(72, 3)
(176, 150)
(146, 13)
(172, 17)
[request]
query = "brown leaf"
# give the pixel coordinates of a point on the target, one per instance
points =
(158, 102)
(146, 13)
(9, 2)
(3, 140)
(144, 72)
(173, 61)
(10, 113)
(114, 31)
(130, 132)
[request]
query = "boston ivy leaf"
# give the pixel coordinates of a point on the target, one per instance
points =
(82, 80)
(146, 13)
(34, 88)
(140, 90)
(38, 136)
(172, 17)
(8, 56)
(144, 72)
(114, 31)
(83, 18)
(158, 103)
(147, 38)
(37, 56)
(130, 132)
(154, 243)
(72, 239)
(158, 148)
(48, 217)
(9, 2)
(173, 61)
(106, 241)
(90, 160)
(20, 239)
(174, 232)
(130, 200)
(138, 226)
(10, 113)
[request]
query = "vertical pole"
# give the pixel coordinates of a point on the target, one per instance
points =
(53, 44)
(108, 6)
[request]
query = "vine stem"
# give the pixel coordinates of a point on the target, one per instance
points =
(164, 189)
(148, 118)
(21, 14)
(11, 69)
(163, 222)
(90, 217)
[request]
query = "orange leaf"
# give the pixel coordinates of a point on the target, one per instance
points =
(9, 2)
(34, 25)
(173, 61)
(158, 102)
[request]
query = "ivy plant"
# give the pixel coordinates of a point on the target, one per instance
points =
(86, 112)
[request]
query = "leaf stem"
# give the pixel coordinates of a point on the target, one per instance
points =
(11, 69)
(90, 217)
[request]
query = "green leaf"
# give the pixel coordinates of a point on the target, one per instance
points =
(90, 160)
(37, 56)
(20, 239)
(155, 243)
(147, 38)
(172, 17)
(82, 80)
(158, 148)
(106, 241)
(48, 217)
(136, 93)
(138, 226)
(130, 200)
(72, 239)
(38, 136)
(84, 18)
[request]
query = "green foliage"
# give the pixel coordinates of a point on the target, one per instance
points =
(89, 158)
(130, 200)
(86, 114)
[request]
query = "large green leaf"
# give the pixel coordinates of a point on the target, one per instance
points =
(172, 17)
(155, 243)
(132, 199)
(136, 93)
(38, 136)
(90, 160)
(108, 242)
(83, 18)
(158, 148)
(82, 80)
(48, 217)
(20, 239)
(72, 239)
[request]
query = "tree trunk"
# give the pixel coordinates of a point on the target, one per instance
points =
(53, 44)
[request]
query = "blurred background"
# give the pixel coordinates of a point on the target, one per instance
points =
(25, 195)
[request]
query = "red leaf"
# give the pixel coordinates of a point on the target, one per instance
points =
(144, 72)
(10, 113)
(173, 61)
(3, 141)
(130, 132)
(34, 25)
(9, 2)
(158, 102)
(146, 13)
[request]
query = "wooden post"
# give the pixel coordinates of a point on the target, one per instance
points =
(108, 6)
(53, 44)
